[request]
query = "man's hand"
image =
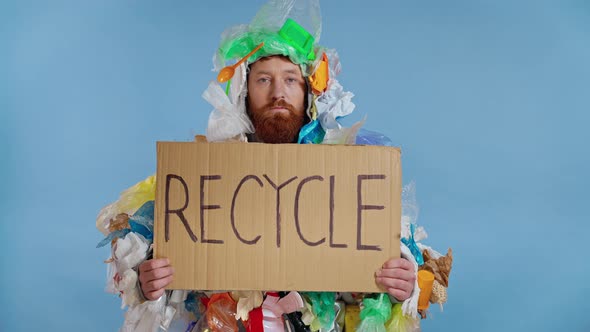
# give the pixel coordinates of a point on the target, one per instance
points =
(154, 275)
(397, 276)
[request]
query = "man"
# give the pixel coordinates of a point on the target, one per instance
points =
(276, 105)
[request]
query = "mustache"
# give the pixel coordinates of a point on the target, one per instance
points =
(280, 103)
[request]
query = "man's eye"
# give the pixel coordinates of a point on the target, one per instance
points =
(263, 80)
(291, 80)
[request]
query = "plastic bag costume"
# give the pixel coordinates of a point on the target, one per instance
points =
(289, 28)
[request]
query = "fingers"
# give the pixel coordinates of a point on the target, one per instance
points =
(153, 264)
(399, 294)
(400, 289)
(398, 277)
(399, 263)
(387, 283)
(154, 269)
(154, 276)
(153, 289)
(156, 285)
(157, 274)
(397, 273)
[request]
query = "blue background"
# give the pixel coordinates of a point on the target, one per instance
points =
(488, 100)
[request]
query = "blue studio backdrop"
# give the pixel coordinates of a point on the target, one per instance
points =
(489, 101)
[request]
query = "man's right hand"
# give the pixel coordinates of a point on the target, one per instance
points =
(154, 275)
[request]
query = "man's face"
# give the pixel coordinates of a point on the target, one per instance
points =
(276, 99)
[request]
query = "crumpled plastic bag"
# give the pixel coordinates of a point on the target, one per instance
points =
(129, 201)
(246, 301)
(141, 222)
(333, 104)
(273, 14)
(410, 305)
(368, 137)
(130, 251)
(334, 65)
(343, 135)
(409, 204)
(238, 40)
(220, 315)
(145, 317)
(338, 323)
(229, 118)
(323, 311)
(273, 309)
(374, 314)
(127, 285)
(401, 323)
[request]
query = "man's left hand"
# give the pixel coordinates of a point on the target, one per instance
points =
(397, 276)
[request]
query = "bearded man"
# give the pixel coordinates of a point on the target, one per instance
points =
(276, 100)
(277, 106)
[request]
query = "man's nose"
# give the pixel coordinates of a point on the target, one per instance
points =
(278, 90)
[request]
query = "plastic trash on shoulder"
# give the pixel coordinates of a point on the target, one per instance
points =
(129, 201)
(228, 118)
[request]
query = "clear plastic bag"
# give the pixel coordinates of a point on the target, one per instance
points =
(367, 137)
(145, 317)
(239, 40)
(228, 119)
(273, 14)
(374, 314)
(220, 315)
(129, 201)
(401, 323)
(343, 135)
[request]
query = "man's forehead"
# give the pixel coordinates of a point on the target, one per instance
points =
(275, 64)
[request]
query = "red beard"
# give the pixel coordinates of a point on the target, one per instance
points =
(277, 127)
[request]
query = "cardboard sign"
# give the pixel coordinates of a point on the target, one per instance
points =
(251, 216)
